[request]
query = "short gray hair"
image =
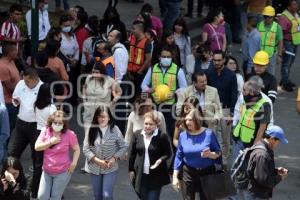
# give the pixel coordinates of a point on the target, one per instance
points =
(255, 84)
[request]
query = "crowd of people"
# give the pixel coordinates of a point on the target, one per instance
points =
(174, 108)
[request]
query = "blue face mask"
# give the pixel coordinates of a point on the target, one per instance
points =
(165, 62)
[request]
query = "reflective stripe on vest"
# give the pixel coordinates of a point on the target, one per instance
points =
(136, 54)
(110, 60)
(268, 38)
(295, 21)
(169, 78)
(245, 129)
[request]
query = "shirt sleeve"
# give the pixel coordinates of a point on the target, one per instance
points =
(28, 23)
(73, 139)
(279, 34)
(182, 83)
(234, 93)
(178, 162)
(121, 144)
(263, 175)
(148, 48)
(146, 82)
(129, 130)
(254, 46)
(272, 93)
(121, 66)
(16, 93)
(266, 113)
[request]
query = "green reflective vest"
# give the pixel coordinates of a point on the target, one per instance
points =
(245, 129)
(168, 78)
(268, 41)
(295, 30)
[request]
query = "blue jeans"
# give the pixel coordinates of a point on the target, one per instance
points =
(103, 185)
(53, 185)
(236, 148)
(12, 114)
(147, 192)
(171, 14)
(65, 2)
(287, 61)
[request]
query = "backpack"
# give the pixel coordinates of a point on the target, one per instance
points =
(239, 173)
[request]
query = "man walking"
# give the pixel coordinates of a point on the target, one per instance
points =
(25, 95)
(289, 21)
(224, 80)
(261, 166)
(208, 98)
(271, 37)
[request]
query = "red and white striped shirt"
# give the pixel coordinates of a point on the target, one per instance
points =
(9, 30)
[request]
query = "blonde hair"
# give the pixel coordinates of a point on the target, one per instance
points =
(58, 114)
(153, 115)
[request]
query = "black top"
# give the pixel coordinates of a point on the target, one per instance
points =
(226, 84)
(159, 148)
(48, 76)
(270, 85)
(19, 192)
(262, 172)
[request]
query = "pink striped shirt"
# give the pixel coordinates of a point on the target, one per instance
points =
(9, 30)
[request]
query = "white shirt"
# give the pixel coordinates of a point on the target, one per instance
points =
(26, 97)
(1, 94)
(120, 55)
(42, 116)
(44, 24)
(69, 47)
(99, 140)
(147, 141)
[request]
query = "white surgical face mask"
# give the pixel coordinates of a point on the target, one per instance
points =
(57, 128)
(66, 29)
(166, 62)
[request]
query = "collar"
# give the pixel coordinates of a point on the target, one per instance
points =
(195, 91)
(155, 133)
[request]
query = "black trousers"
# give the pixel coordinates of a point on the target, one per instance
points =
(191, 181)
(136, 80)
(191, 6)
(25, 133)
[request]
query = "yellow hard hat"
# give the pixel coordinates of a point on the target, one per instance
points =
(269, 11)
(261, 58)
(161, 93)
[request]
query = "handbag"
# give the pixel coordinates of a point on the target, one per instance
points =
(217, 185)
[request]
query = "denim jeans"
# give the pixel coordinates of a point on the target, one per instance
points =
(65, 2)
(53, 185)
(171, 14)
(12, 114)
(103, 185)
(287, 60)
(148, 193)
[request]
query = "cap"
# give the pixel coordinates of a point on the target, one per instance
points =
(276, 132)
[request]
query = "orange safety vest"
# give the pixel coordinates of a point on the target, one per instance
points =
(110, 60)
(136, 54)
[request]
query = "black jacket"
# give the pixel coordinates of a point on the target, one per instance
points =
(262, 172)
(19, 192)
(159, 148)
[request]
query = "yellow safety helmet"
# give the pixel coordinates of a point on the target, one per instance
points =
(161, 93)
(269, 11)
(261, 58)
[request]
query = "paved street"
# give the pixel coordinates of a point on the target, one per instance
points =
(284, 112)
